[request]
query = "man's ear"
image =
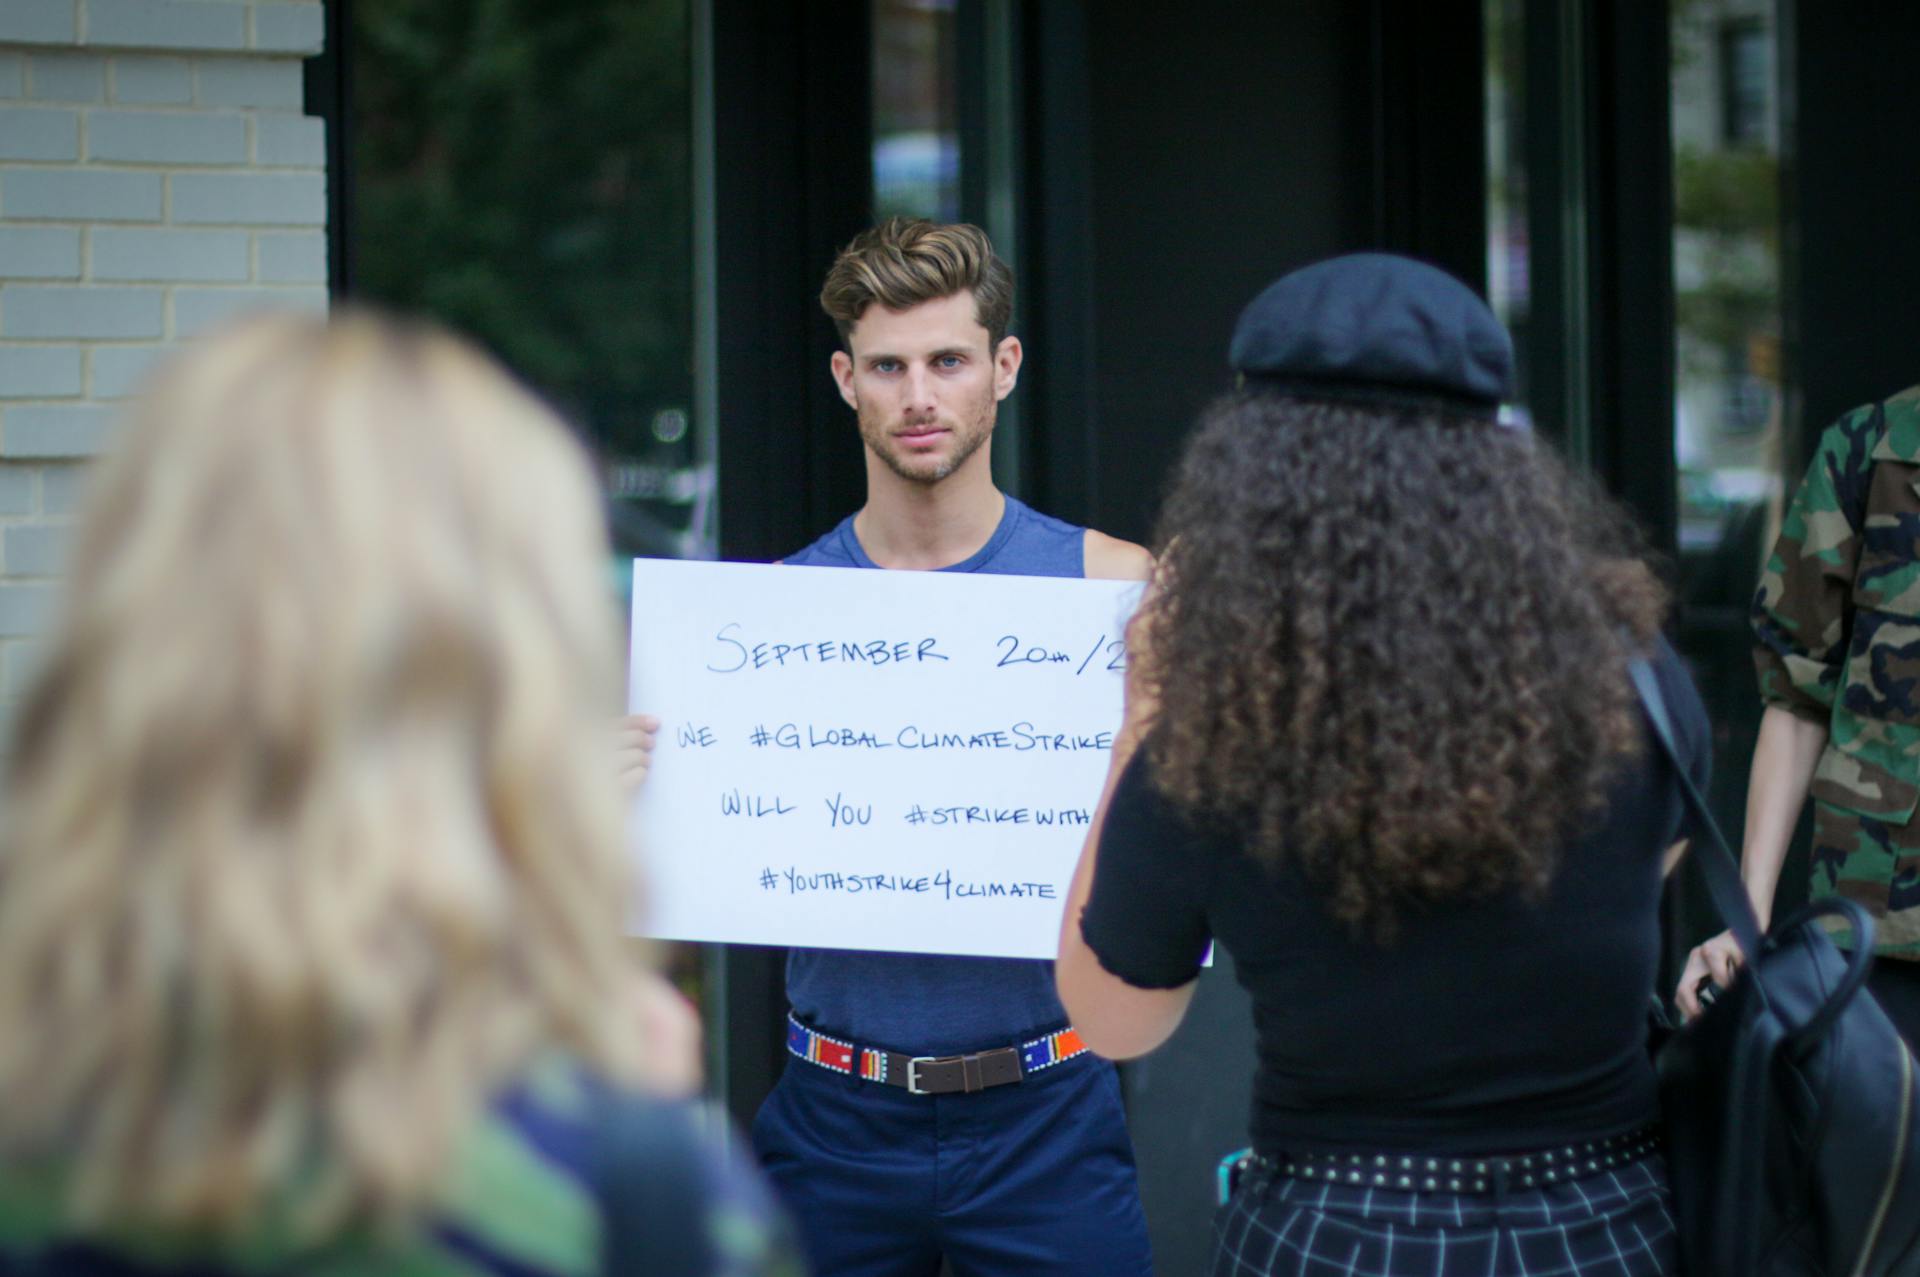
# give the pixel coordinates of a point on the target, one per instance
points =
(1006, 366)
(842, 365)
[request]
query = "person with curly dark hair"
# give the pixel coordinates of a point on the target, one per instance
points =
(1381, 743)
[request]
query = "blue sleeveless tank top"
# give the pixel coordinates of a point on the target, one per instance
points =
(922, 1003)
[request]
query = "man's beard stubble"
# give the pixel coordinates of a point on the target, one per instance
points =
(968, 437)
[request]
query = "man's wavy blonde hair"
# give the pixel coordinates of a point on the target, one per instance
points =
(905, 261)
(311, 837)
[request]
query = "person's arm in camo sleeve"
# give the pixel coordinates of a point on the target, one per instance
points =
(1802, 617)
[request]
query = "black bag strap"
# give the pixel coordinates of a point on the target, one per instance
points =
(1749, 1070)
(1717, 861)
(1743, 1180)
(1721, 869)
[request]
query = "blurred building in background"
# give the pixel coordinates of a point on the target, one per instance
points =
(1696, 219)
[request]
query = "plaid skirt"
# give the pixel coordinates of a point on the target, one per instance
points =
(1615, 1224)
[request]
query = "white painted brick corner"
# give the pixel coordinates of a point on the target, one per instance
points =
(158, 176)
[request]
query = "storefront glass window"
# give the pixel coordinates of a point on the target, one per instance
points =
(526, 174)
(1509, 289)
(523, 173)
(1726, 262)
(1732, 453)
(916, 131)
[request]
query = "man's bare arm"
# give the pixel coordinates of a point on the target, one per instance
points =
(1111, 559)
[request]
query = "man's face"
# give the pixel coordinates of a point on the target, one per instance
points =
(925, 384)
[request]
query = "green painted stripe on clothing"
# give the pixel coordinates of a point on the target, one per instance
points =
(30, 1207)
(504, 1194)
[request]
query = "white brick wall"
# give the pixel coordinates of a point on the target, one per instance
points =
(157, 176)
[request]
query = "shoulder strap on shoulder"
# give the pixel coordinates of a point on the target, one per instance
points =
(1717, 861)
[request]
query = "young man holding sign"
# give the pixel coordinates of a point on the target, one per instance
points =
(1009, 1153)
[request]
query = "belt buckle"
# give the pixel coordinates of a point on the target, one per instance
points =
(913, 1070)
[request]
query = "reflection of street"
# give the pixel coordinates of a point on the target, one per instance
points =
(1735, 452)
(1726, 264)
(662, 512)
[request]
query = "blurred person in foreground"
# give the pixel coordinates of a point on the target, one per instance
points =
(311, 876)
(1381, 743)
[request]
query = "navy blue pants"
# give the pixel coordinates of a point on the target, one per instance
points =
(1034, 1177)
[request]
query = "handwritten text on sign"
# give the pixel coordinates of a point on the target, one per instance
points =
(854, 759)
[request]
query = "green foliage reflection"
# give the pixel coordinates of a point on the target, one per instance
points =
(521, 172)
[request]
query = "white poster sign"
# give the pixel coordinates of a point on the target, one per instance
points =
(855, 759)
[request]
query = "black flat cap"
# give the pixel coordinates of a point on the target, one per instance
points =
(1376, 326)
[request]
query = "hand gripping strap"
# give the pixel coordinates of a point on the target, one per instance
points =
(1721, 870)
(1717, 861)
(1747, 1076)
(1749, 1071)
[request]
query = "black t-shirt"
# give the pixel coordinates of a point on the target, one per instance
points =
(1489, 1025)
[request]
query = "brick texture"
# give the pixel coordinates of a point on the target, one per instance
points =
(116, 371)
(25, 609)
(288, 28)
(267, 82)
(67, 77)
(35, 550)
(149, 81)
(39, 21)
(39, 372)
(296, 140)
(128, 254)
(155, 24)
(33, 311)
(39, 252)
(16, 491)
(298, 258)
(157, 177)
(39, 133)
(262, 199)
(197, 309)
(80, 195)
(166, 137)
(61, 488)
(54, 430)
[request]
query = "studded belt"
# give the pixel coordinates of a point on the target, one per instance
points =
(933, 1074)
(1423, 1172)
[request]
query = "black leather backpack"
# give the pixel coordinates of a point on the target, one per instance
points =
(1791, 1104)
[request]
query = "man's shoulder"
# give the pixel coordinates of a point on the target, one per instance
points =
(1110, 558)
(830, 551)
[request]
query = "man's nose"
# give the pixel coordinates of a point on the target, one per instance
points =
(919, 388)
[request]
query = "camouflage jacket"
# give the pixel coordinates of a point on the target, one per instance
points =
(1837, 617)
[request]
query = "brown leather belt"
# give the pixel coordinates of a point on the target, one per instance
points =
(933, 1074)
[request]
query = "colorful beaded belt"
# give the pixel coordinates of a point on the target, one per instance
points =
(1421, 1172)
(934, 1074)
